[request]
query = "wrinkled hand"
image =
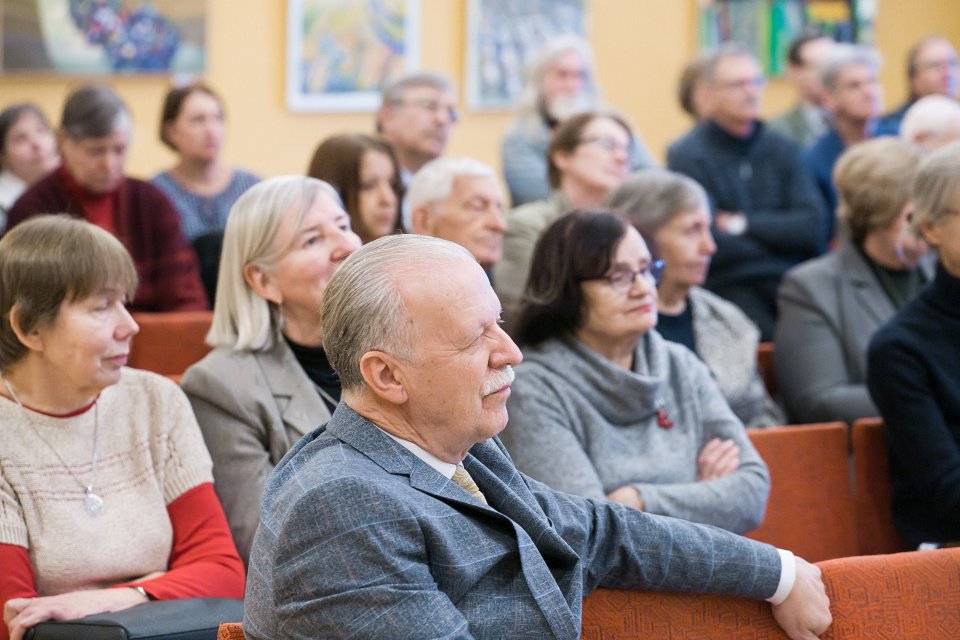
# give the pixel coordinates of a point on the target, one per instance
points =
(718, 458)
(805, 614)
(20, 614)
(628, 495)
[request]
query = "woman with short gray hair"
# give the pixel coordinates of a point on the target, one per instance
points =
(94, 139)
(268, 381)
(671, 211)
(829, 307)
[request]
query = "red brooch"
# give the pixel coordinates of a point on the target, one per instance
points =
(663, 420)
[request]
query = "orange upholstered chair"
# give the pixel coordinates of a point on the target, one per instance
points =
(765, 365)
(230, 631)
(168, 343)
(810, 510)
(908, 596)
(871, 489)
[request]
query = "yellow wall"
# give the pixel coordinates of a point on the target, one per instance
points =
(640, 47)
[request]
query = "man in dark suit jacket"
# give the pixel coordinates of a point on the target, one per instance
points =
(404, 516)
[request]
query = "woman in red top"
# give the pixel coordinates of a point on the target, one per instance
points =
(106, 494)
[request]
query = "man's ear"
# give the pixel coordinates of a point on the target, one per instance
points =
(32, 340)
(261, 281)
(420, 220)
(384, 376)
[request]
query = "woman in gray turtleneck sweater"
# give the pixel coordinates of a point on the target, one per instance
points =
(603, 407)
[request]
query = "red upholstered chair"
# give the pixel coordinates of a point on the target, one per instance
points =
(639, 615)
(907, 596)
(765, 364)
(810, 509)
(168, 343)
(871, 490)
(230, 631)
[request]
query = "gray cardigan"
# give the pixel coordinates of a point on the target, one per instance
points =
(586, 426)
(829, 308)
(727, 342)
(252, 407)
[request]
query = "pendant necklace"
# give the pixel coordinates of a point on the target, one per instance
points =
(92, 503)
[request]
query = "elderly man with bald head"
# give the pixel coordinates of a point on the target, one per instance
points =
(403, 516)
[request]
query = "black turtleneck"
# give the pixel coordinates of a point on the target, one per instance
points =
(317, 367)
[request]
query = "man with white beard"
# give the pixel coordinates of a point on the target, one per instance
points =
(560, 83)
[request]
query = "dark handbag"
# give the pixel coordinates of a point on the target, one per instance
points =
(188, 619)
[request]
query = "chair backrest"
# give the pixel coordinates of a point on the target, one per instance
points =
(871, 490)
(810, 510)
(908, 596)
(765, 365)
(168, 343)
(230, 631)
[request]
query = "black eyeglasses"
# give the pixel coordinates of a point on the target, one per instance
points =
(622, 279)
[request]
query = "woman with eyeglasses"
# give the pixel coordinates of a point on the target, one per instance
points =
(603, 406)
(588, 156)
(671, 211)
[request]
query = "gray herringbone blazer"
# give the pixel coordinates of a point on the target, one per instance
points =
(358, 538)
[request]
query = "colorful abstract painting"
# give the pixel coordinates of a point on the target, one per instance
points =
(503, 39)
(768, 27)
(341, 53)
(103, 36)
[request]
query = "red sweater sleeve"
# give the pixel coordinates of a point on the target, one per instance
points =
(16, 579)
(204, 561)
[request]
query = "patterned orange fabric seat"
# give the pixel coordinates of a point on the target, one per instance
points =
(230, 631)
(908, 596)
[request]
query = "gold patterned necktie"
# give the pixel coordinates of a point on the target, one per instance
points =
(463, 480)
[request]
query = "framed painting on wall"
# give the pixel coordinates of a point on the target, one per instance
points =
(341, 53)
(767, 27)
(94, 37)
(504, 37)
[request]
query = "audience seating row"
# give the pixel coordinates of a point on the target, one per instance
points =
(168, 343)
(815, 510)
(908, 596)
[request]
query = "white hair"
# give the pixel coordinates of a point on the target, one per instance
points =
(363, 309)
(241, 318)
(433, 183)
(843, 55)
(531, 103)
(929, 116)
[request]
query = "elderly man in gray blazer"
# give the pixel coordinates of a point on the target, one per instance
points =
(404, 516)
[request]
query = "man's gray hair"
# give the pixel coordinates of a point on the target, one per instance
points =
(928, 117)
(532, 100)
(241, 318)
(363, 308)
(721, 53)
(936, 190)
(433, 183)
(843, 55)
(94, 111)
(394, 91)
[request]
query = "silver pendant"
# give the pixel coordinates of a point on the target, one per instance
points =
(92, 504)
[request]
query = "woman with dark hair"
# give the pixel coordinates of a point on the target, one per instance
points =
(106, 493)
(201, 187)
(912, 370)
(91, 184)
(28, 151)
(365, 173)
(602, 406)
(587, 158)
